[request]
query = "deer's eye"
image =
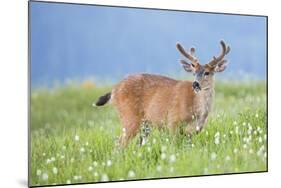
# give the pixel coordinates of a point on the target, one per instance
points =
(206, 73)
(192, 65)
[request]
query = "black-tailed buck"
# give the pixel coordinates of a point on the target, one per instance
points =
(164, 101)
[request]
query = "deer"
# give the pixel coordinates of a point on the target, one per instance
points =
(164, 101)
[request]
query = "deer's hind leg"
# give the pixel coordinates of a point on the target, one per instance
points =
(145, 131)
(131, 122)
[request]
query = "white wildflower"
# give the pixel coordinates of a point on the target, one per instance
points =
(108, 163)
(77, 177)
(163, 156)
(217, 134)
(48, 161)
(68, 182)
(82, 150)
(90, 168)
(104, 177)
(259, 130)
(172, 158)
(227, 158)
(139, 154)
(249, 131)
(249, 138)
(55, 170)
(45, 176)
(38, 172)
(257, 115)
(217, 140)
(76, 138)
(237, 130)
(124, 132)
(250, 126)
(72, 160)
(260, 150)
(95, 163)
(159, 168)
(131, 174)
(213, 156)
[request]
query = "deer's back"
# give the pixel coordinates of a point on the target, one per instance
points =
(152, 97)
(141, 88)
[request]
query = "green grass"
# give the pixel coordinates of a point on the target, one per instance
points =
(234, 140)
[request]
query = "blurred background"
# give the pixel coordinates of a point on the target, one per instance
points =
(105, 44)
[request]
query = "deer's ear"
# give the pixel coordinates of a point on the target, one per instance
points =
(187, 66)
(221, 66)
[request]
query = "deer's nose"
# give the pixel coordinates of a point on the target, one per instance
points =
(196, 85)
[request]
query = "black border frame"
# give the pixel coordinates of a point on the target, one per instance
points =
(145, 8)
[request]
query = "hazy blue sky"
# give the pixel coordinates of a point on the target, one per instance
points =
(79, 42)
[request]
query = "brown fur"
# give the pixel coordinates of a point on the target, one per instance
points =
(164, 101)
(157, 99)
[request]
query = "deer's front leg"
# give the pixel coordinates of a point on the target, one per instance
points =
(196, 126)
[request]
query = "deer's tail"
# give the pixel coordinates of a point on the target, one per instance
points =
(103, 99)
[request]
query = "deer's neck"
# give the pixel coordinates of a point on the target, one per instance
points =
(205, 97)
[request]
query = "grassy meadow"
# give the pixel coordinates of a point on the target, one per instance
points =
(73, 142)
